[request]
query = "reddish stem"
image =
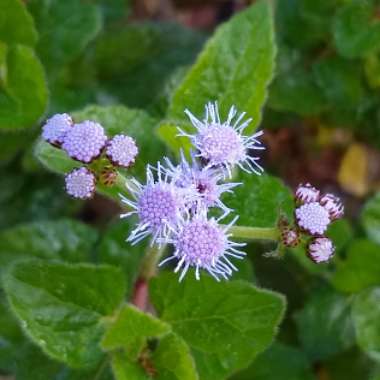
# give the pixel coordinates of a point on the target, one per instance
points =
(140, 294)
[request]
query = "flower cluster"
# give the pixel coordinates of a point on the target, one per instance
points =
(173, 205)
(86, 142)
(314, 213)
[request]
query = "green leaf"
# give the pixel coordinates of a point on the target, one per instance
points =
(11, 337)
(65, 27)
(137, 76)
(352, 364)
(114, 250)
(366, 317)
(341, 85)
(25, 198)
(341, 233)
(130, 329)
(372, 70)
(356, 30)
(370, 218)
(167, 131)
(278, 362)
(67, 240)
(294, 89)
(60, 306)
(304, 24)
(16, 24)
(34, 364)
(296, 92)
(114, 9)
(124, 369)
(171, 359)
(11, 144)
(324, 324)
(375, 375)
(360, 269)
(226, 324)
(54, 159)
(235, 67)
(245, 271)
(260, 200)
(21, 71)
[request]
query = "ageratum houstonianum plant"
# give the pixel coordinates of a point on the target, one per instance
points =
(181, 204)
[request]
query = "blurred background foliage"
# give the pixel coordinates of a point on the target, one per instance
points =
(322, 125)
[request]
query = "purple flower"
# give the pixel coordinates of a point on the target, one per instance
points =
(158, 205)
(307, 193)
(333, 205)
(85, 141)
(55, 128)
(80, 183)
(121, 150)
(318, 210)
(313, 218)
(203, 244)
(205, 183)
(321, 249)
(222, 144)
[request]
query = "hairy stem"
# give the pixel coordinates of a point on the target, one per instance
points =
(121, 182)
(149, 269)
(150, 263)
(255, 233)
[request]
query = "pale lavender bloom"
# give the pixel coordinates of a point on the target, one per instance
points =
(205, 183)
(158, 205)
(222, 144)
(85, 141)
(333, 205)
(121, 150)
(321, 249)
(313, 218)
(202, 243)
(55, 128)
(80, 183)
(307, 193)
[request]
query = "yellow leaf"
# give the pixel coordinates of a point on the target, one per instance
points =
(353, 171)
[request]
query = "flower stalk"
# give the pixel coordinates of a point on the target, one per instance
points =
(255, 233)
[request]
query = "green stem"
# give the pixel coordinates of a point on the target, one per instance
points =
(255, 233)
(121, 182)
(150, 263)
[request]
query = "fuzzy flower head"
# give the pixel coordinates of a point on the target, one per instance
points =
(333, 205)
(307, 193)
(55, 128)
(85, 141)
(222, 144)
(121, 150)
(201, 243)
(80, 183)
(313, 218)
(158, 205)
(205, 183)
(321, 249)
